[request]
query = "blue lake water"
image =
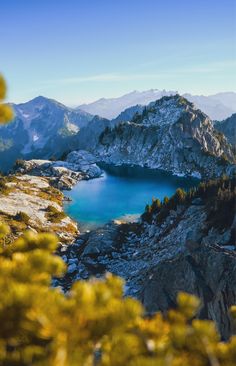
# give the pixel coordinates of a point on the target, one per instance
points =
(121, 191)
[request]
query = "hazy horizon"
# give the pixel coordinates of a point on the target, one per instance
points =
(114, 97)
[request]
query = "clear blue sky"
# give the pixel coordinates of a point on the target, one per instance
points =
(79, 50)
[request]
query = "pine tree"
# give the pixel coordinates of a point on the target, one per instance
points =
(180, 195)
(166, 200)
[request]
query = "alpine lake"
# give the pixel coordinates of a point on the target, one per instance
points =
(121, 193)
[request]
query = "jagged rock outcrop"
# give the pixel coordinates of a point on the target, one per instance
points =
(77, 166)
(170, 134)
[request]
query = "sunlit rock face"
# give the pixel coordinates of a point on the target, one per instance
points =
(170, 134)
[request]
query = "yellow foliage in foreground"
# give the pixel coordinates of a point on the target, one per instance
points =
(93, 324)
(6, 113)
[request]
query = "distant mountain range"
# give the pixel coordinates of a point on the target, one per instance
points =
(218, 106)
(44, 129)
(112, 107)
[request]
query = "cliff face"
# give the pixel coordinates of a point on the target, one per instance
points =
(207, 271)
(169, 134)
(228, 128)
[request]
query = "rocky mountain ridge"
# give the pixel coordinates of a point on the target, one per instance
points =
(41, 128)
(170, 134)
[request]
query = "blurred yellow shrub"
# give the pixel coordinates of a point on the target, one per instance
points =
(92, 324)
(6, 113)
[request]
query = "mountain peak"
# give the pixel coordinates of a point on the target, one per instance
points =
(166, 110)
(37, 100)
(169, 134)
(41, 100)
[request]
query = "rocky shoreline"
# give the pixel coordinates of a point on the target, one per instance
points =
(78, 165)
(32, 187)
